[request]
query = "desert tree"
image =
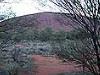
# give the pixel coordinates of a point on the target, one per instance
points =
(86, 14)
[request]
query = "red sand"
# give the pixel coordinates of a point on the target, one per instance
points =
(51, 65)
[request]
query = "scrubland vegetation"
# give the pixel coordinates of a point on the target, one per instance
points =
(16, 47)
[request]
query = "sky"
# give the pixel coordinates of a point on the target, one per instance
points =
(25, 7)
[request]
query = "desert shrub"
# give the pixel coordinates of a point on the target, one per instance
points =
(46, 34)
(79, 48)
(78, 34)
(13, 59)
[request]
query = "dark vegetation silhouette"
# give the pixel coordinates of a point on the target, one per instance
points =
(86, 14)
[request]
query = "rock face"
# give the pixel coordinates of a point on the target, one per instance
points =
(39, 20)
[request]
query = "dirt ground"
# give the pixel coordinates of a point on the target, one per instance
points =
(52, 65)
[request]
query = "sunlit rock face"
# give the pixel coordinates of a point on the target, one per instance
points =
(56, 21)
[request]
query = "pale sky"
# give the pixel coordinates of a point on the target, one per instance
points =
(25, 7)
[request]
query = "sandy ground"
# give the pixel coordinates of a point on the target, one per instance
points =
(52, 65)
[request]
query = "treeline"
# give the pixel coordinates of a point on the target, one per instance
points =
(47, 34)
(33, 34)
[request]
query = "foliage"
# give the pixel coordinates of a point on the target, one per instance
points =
(46, 34)
(86, 14)
(13, 59)
(59, 36)
(78, 34)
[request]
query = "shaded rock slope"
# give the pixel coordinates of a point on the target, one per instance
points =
(40, 21)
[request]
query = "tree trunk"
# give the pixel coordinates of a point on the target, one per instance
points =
(96, 48)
